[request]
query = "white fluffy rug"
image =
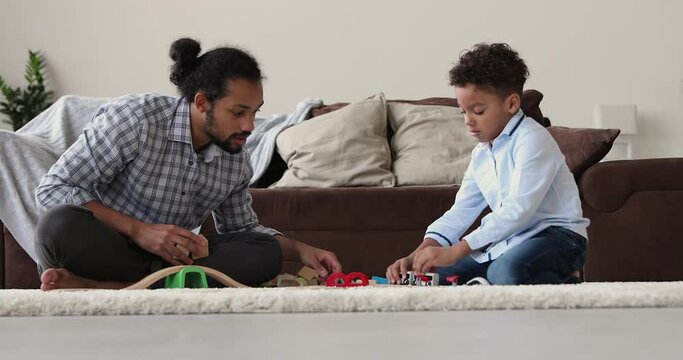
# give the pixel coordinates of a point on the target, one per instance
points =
(321, 299)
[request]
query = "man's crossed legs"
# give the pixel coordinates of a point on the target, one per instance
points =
(76, 250)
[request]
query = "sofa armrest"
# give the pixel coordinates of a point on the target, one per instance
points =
(606, 186)
(634, 207)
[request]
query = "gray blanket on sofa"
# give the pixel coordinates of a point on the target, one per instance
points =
(27, 155)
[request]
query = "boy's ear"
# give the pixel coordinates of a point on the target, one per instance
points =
(513, 103)
(201, 102)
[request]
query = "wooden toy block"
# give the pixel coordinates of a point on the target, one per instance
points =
(202, 251)
(308, 273)
(288, 280)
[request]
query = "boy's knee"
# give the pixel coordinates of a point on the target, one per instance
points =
(504, 279)
(506, 273)
(512, 273)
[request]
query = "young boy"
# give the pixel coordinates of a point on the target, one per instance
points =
(536, 233)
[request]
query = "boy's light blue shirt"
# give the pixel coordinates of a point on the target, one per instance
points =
(522, 176)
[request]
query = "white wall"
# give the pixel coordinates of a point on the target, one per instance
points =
(580, 53)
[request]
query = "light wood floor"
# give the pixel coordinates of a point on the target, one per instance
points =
(504, 335)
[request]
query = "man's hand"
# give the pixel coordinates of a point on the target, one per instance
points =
(164, 240)
(322, 261)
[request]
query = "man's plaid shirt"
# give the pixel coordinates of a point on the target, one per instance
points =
(136, 157)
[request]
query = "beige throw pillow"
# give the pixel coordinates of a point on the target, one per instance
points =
(347, 147)
(430, 146)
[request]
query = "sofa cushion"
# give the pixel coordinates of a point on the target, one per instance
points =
(583, 148)
(437, 133)
(343, 148)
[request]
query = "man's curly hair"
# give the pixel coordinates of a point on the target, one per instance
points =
(495, 67)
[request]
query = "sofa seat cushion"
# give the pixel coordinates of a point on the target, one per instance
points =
(367, 228)
(361, 208)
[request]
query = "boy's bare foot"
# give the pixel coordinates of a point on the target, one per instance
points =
(52, 279)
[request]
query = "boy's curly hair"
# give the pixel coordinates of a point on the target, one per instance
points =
(496, 67)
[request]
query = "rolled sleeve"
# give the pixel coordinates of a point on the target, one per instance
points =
(109, 142)
(236, 214)
(469, 203)
(79, 197)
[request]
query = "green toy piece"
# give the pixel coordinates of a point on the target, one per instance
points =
(188, 277)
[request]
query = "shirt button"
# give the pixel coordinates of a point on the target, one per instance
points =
(182, 193)
(191, 162)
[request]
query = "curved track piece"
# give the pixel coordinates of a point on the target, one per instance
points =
(150, 279)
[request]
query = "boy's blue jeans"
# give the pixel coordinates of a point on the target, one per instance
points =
(547, 258)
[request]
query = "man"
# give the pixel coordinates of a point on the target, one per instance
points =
(121, 200)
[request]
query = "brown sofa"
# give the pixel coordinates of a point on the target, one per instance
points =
(631, 204)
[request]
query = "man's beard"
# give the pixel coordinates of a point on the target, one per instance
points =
(227, 144)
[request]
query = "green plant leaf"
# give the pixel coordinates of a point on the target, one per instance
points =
(23, 104)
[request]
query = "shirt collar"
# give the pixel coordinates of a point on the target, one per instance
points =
(508, 130)
(513, 124)
(180, 125)
(211, 152)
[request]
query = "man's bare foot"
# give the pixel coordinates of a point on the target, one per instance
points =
(574, 278)
(52, 279)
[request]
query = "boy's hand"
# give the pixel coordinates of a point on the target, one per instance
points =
(399, 269)
(430, 257)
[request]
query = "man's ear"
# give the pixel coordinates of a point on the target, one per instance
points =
(514, 102)
(201, 102)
